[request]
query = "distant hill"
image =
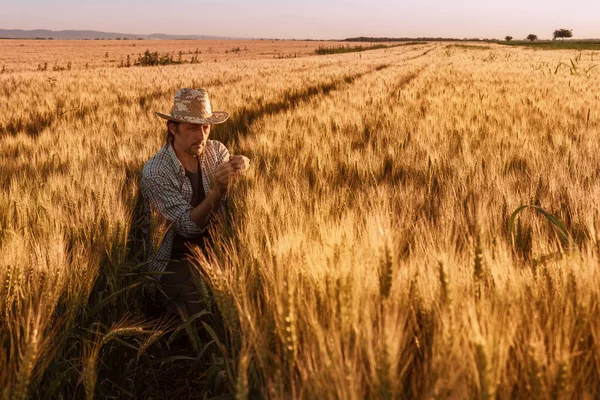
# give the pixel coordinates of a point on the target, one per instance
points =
(91, 35)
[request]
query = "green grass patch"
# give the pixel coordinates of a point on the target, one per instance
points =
(558, 44)
(468, 47)
(323, 50)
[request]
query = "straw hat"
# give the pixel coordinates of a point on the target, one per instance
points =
(193, 106)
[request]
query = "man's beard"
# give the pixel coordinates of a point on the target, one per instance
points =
(197, 151)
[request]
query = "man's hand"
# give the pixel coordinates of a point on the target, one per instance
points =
(239, 163)
(228, 170)
(223, 174)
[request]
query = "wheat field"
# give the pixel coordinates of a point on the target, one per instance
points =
(366, 254)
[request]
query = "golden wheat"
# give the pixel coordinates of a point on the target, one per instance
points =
(359, 243)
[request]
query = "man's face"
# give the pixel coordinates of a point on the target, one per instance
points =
(190, 138)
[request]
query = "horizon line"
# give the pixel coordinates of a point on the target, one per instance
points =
(195, 36)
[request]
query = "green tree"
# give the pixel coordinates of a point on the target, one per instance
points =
(508, 38)
(532, 37)
(562, 34)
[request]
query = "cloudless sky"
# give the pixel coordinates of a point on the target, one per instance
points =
(314, 19)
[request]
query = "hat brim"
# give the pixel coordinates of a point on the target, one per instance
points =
(217, 117)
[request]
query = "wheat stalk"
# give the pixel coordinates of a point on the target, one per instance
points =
(487, 386)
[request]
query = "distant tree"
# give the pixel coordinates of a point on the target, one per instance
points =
(532, 37)
(508, 38)
(562, 34)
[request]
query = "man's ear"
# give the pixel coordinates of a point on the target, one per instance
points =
(172, 128)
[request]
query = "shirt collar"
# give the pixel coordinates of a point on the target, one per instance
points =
(174, 160)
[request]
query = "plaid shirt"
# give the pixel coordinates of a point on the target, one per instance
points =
(167, 195)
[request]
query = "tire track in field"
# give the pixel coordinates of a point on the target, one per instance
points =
(421, 55)
(240, 124)
(403, 82)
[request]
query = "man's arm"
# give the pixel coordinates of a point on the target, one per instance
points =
(167, 200)
(190, 221)
(201, 213)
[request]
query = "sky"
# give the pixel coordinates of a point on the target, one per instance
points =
(310, 19)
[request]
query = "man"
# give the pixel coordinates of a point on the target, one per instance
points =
(184, 183)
